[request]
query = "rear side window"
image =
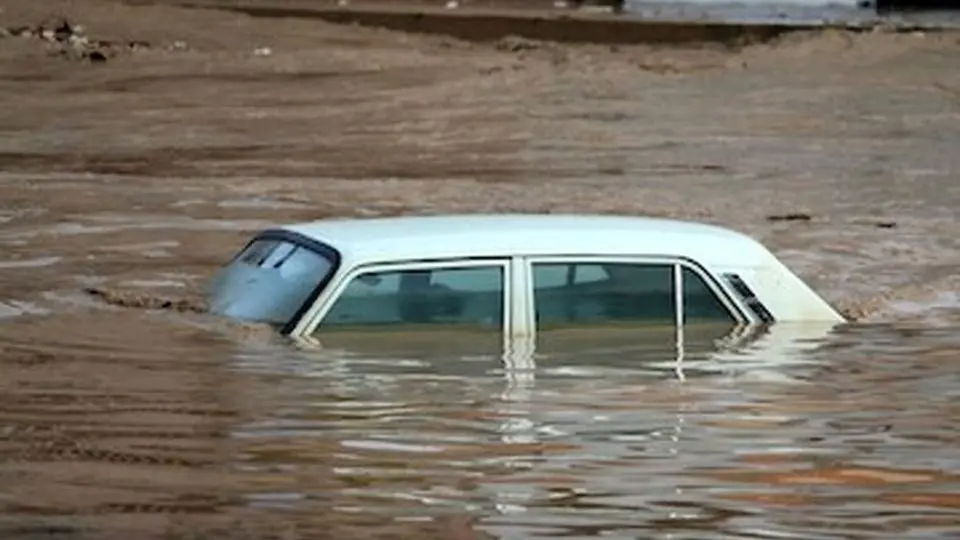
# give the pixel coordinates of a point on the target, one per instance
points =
(572, 293)
(596, 293)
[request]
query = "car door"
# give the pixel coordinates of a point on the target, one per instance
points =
(461, 304)
(653, 306)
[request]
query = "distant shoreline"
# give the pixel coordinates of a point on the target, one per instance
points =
(490, 23)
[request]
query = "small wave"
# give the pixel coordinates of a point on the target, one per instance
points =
(142, 300)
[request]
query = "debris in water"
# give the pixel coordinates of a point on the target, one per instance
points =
(69, 41)
(14, 308)
(609, 6)
(886, 224)
(147, 301)
(794, 216)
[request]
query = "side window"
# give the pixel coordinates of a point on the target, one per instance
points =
(468, 296)
(559, 275)
(608, 292)
(700, 303)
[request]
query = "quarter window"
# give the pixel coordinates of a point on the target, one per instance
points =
(463, 296)
(700, 303)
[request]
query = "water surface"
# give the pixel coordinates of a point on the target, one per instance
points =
(156, 424)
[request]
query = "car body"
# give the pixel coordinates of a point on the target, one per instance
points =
(509, 275)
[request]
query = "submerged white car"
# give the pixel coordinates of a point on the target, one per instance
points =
(511, 274)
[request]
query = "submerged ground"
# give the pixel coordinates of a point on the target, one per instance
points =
(138, 175)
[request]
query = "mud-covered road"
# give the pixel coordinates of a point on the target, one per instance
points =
(138, 171)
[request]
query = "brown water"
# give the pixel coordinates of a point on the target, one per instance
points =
(130, 415)
(194, 428)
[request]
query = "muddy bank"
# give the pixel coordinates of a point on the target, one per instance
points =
(600, 21)
(491, 24)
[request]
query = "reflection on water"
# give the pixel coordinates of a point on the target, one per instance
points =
(140, 425)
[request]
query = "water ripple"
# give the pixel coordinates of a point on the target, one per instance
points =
(854, 438)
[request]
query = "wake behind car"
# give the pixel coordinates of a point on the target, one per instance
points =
(510, 274)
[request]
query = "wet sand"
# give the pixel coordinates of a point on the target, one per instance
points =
(139, 175)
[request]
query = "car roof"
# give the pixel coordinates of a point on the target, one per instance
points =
(384, 239)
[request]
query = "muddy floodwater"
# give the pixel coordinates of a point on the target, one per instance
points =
(135, 161)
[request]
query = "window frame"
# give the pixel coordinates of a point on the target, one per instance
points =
(313, 320)
(738, 311)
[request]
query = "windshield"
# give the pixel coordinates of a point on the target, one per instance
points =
(271, 279)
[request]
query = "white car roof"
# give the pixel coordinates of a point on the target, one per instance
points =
(371, 240)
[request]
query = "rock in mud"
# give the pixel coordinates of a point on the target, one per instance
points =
(20, 31)
(516, 44)
(69, 41)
